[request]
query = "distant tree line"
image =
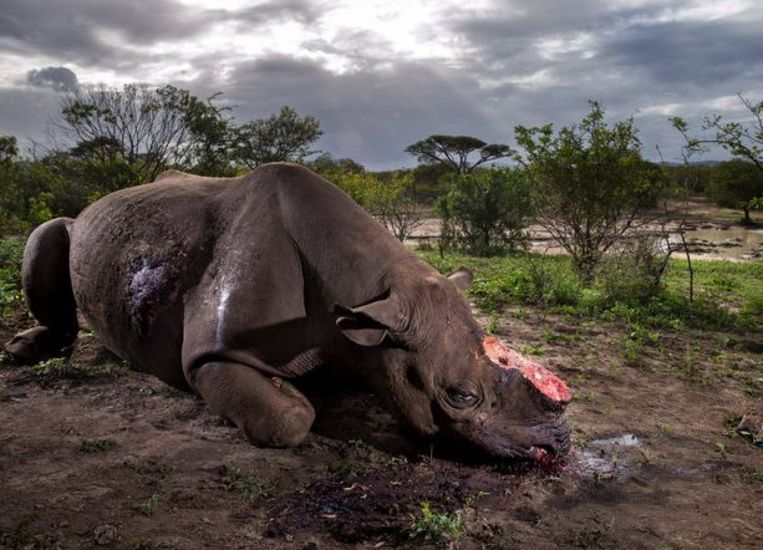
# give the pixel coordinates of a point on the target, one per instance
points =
(586, 184)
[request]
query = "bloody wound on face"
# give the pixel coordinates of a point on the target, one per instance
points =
(547, 383)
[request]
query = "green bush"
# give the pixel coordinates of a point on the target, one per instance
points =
(486, 211)
(552, 282)
(11, 250)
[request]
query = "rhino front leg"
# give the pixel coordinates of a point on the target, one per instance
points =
(270, 411)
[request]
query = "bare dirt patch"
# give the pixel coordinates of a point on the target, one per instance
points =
(102, 456)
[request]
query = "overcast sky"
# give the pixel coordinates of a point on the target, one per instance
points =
(380, 75)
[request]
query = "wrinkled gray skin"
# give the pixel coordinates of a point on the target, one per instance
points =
(230, 287)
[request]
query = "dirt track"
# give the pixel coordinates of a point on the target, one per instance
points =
(105, 456)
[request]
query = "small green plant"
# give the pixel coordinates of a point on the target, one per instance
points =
(664, 427)
(532, 349)
(581, 439)
(721, 449)
(148, 507)
(247, 484)
(96, 445)
(493, 324)
(753, 476)
(440, 526)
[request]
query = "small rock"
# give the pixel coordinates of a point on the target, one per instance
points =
(273, 530)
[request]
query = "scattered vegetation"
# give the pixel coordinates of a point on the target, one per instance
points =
(727, 294)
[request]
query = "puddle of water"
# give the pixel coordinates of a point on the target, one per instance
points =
(710, 241)
(607, 458)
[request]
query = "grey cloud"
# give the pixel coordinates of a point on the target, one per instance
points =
(298, 10)
(25, 112)
(70, 30)
(637, 58)
(368, 115)
(59, 79)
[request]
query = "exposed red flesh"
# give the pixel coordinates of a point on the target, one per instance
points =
(547, 383)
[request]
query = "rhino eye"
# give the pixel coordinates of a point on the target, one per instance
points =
(462, 397)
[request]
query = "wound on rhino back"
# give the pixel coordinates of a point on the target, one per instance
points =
(145, 290)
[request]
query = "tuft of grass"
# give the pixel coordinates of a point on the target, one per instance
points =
(58, 368)
(753, 476)
(532, 349)
(149, 506)
(248, 484)
(581, 439)
(61, 368)
(439, 526)
(96, 445)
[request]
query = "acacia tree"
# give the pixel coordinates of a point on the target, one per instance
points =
(284, 136)
(455, 152)
(590, 184)
(742, 139)
(148, 128)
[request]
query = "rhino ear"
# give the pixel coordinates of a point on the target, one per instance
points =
(370, 324)
(462, 278)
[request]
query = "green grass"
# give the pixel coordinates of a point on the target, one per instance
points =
(727, 296)
(96, 445)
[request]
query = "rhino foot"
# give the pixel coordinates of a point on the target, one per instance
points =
(270, 411)
(36, 344)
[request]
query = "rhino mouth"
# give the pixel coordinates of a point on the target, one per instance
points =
(549, 445)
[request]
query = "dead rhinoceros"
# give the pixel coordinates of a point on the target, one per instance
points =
(231, 286)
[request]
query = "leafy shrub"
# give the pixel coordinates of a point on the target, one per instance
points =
(11, 251)
(486, 211)
(635, 274)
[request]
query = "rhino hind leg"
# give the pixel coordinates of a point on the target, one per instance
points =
(47, 286)
(270, 411)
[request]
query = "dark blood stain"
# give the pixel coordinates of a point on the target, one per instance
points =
(380, 505)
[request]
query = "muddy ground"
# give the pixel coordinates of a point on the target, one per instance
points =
(93, 454)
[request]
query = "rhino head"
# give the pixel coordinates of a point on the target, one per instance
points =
(445, 378)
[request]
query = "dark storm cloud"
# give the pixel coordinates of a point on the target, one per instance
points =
(369, 115)
(696, 52)
(59, 79)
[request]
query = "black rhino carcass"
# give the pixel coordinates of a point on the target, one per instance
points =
(235, 288)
